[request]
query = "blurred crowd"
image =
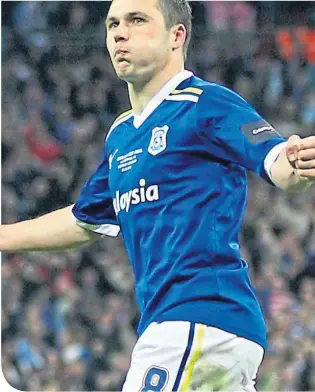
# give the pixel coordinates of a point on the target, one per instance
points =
(69, 319)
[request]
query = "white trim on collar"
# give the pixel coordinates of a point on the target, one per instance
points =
(160, 97)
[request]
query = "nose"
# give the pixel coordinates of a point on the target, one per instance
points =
(121, 32)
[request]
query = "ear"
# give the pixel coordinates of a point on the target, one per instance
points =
(179, 34)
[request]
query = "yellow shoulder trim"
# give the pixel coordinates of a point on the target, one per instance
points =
(194, 90)
(122, 115)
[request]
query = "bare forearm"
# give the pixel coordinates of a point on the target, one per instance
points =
(286, 177)
(51, 232)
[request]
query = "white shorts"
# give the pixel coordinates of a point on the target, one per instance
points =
(184, 356)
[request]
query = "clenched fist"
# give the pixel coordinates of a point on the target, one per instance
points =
(301, 155)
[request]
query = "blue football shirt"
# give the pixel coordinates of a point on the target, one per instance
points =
(173, 183)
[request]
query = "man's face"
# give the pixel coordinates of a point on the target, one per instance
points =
(137, 39)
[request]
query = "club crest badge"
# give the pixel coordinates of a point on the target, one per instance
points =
(158, 140)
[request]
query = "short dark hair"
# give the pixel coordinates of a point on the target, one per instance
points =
(177, 12)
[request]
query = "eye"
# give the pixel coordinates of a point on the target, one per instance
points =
(138, 20)
(113, 25)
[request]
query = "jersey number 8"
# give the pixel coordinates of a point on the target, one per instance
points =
(155, 380)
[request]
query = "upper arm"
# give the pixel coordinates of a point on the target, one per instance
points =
(86, 235)
(235, 132)
(94, 209)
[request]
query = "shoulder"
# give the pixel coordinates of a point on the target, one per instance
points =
(119, 120)
(218, 100)
(216, 92)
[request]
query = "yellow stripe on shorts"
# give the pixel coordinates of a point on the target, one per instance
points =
(194, 358)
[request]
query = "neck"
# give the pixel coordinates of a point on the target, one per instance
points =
(141, 94)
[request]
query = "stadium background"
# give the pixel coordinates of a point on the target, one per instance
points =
(68, 319)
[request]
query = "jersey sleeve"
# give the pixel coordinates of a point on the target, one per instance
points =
(94, 208)
(234, 132)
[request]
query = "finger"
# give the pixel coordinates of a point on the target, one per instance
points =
(293, 147)
(306, 173)
(307, 154)
(305, 164)
(307, 142)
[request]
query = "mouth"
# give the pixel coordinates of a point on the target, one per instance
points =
(122, 60)
(120, 53)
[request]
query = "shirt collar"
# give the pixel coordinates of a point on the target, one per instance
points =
(160, 97)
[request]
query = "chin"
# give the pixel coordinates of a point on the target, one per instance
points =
(122, 71)
(127, 75)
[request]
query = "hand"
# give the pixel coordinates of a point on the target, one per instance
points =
(301, 155)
